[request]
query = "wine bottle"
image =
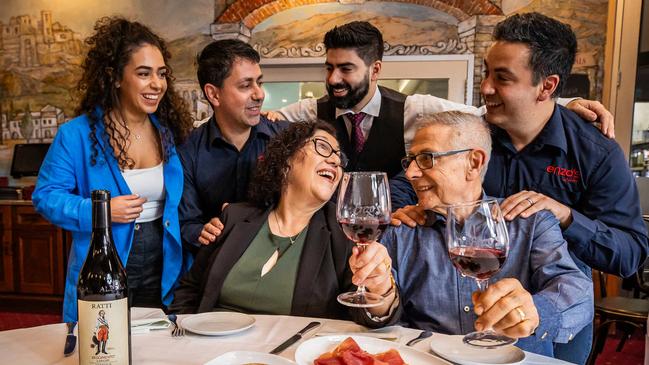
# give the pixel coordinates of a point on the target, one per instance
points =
(102, 295)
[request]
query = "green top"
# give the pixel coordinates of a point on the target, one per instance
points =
(245, 290)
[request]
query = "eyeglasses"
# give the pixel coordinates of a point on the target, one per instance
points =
(324, 149)
(426, 160)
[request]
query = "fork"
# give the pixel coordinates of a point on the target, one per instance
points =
(177, 331)
(422, 335)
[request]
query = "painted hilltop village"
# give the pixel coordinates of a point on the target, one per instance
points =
(40, 62)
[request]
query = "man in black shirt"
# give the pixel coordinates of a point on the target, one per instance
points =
(220, 156)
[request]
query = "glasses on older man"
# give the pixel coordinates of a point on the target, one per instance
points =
(325, 149)
(426, 160)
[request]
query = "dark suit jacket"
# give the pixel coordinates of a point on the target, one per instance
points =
(323, 271)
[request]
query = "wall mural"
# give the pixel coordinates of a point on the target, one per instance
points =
(41, 50)
(407, 29)
(41, 43)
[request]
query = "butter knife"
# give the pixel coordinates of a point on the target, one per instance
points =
(295, 338)
(70, 340)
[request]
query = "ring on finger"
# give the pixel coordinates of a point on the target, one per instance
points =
(388, 266)
(521, 314)
(530, 201)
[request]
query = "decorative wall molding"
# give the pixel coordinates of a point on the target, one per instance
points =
(451, 46)
(317, 50)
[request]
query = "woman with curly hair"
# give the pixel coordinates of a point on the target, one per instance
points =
(124, 141)
(284, 252)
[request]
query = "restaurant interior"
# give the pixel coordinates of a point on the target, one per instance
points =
(434, 47)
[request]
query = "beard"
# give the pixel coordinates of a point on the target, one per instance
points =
(354, 94)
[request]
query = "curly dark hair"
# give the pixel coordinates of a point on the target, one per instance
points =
(363, 37)
(552, 44)
(272, 171)
(111, 47)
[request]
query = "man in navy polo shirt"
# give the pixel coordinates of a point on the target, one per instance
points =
(544, 157)
(220, 156)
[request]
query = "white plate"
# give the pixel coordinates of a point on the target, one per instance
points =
(247, 357)
(452, 348)
(311, 349)
(217, 323)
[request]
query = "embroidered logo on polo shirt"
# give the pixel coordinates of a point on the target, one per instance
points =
(567, 175)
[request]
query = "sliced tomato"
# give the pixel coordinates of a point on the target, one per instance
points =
(360, 358)
(347, 345)
(335, 360)
(391, 357)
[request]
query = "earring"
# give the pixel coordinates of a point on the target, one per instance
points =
(117, 84)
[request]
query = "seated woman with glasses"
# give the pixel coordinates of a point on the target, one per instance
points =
(284, 252)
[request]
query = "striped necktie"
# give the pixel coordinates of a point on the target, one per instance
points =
(358, 140)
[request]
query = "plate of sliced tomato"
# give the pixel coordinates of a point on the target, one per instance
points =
(345, 350)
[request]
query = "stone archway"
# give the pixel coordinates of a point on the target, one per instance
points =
(250, 13)
(476, 21)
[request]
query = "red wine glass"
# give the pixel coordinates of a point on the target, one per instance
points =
(478, 243)
(363, 211)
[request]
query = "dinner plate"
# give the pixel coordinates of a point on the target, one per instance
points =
(249, 357)
(217, 323)
(311, 349)
(452, 348)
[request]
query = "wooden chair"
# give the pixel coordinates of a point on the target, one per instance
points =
(628, 314)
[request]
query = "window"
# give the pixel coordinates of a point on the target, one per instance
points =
(639, 155)
(447, 76)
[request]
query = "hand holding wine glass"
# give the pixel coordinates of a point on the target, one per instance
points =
(478, 243)
(371, 268)
(363, 211)
(507, 307)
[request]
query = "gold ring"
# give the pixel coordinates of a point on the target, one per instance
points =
(388, 266)
(530, 201)
(521, 313)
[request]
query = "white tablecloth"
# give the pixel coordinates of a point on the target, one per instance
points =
(44, 344)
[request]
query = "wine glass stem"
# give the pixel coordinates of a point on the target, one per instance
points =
(482, 284)
(361, 289)
(361, 247)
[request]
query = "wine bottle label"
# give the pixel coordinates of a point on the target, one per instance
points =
(103, 332)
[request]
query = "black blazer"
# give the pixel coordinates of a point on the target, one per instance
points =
(323, 271)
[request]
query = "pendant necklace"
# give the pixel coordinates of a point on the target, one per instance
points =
(272, 260)
(291, 239)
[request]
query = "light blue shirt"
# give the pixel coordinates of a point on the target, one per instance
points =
(435, 296)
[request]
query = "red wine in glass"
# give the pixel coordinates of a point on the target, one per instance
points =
(363, 212)
(363, 231)
(478, 243)
(477, 262)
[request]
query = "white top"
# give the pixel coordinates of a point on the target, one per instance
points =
(148, 183)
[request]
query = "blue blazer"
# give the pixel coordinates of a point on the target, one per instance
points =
(62, 196)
